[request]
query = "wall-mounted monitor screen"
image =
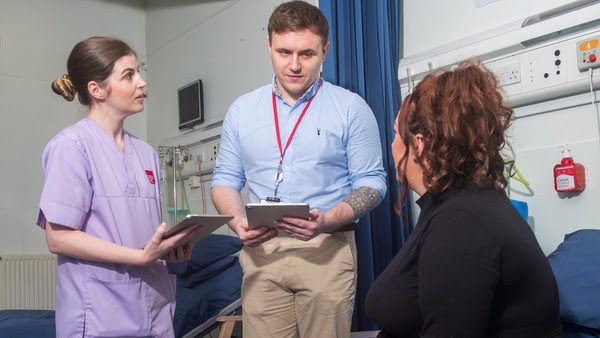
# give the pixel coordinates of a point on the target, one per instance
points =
(191, 105)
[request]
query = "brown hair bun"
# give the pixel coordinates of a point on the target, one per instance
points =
(64, 87)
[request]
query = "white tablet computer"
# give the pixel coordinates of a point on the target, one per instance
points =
(209, 224)
(266, 214)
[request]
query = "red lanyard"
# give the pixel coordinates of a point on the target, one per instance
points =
(282, 152)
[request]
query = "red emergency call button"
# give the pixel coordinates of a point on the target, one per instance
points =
(592, 57)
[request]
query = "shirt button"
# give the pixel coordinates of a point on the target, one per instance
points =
(287, 168)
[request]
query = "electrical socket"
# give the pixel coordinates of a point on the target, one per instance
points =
(508, 74)
(194, 181)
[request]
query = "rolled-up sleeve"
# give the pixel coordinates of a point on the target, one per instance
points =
(365, 162)
(229, 169)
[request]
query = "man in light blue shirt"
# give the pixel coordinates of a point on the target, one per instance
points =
(299, 139)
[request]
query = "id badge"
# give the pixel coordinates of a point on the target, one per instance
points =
(270, 200)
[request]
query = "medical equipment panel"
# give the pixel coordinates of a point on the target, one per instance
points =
(186, 163)
(587, 53)
(199, 148)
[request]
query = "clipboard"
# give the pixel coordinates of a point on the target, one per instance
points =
(209, 224)
(266, 214)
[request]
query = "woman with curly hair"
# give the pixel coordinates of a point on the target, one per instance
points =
(472, 267)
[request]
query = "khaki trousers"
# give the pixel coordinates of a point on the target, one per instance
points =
(299, 289)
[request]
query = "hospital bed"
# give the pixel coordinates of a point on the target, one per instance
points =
(208, 286)
(576, 266)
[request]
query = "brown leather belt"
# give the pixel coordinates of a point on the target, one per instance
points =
(348, 227)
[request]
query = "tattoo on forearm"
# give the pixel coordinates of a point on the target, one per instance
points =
(362, 200)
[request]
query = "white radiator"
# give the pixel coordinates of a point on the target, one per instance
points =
(28, 281)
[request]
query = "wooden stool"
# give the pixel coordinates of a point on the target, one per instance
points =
(228, 324)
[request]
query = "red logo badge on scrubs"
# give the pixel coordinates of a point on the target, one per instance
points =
(150, 175)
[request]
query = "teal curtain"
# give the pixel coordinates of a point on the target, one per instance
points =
(363, 57)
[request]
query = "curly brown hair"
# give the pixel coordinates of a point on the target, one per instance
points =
(463, 118)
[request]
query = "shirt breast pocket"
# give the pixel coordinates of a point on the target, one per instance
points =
(325, 146)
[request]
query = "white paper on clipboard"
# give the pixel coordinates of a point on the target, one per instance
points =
(266, 214)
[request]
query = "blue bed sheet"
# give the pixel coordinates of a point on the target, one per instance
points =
(576, 266)
(27, 324)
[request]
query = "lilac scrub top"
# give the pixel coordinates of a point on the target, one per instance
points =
(90, 185)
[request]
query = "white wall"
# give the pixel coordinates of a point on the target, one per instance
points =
(431, 24)
(535, 139)
(36, 37)
(223, 43)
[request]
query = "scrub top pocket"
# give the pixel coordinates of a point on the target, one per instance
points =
(117, 309)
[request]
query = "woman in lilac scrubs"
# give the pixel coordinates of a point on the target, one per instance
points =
(100, 205)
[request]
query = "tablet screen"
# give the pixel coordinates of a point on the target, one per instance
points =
(266, 214)
(209, 224)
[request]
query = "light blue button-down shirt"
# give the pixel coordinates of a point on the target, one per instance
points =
(335, 149)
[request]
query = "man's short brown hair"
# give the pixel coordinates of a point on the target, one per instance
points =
(298, 15)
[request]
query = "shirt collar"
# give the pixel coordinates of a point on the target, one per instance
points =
(430, 200)
(312, 90)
